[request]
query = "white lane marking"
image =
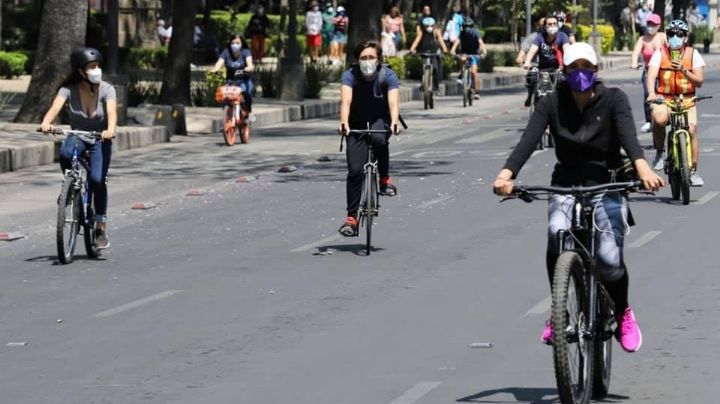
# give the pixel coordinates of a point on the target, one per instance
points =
(316, 243)
(710, 115)
(706, 198)
(137, 303)
(646, 238)
(437, 153)
(399, 152)
(427, 204)
(415, 393)
(541, 307)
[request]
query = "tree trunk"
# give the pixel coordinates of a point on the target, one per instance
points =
(1, 7)
(62, 29)
(364, 17)
(514, 24)
(176, 79)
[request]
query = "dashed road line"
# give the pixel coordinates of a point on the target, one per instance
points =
(644, 239)
(415, 393)
(706, 198)
(314, 244)
(137, 303)
(427, 204)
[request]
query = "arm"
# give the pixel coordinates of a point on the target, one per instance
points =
(248, 64)
(402, 32)
(530, 55)
(520, 57)
(52, 113)
(482, 46)
(636, 53)
(111, 105)
(218, 65)
(345, 101)
(418, 37)
(650, 83)
(454, 47)
(394, 103)
(571, 39)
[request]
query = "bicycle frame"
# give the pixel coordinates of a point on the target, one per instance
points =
(678, 127)
(80, 180)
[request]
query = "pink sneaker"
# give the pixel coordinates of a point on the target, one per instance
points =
(628, 331)
(547, 334)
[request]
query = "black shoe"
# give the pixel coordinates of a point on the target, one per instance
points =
(101, 240)
(527, 101)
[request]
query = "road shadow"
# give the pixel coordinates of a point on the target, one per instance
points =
(529, 395)
(357, 249)
(54, 260)
(668, 200)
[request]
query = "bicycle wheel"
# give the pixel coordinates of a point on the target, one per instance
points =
(370, 207)
(572, 352)
(229, 128)
(244, 133)
(603, 346)
(684, 166)
(68, 220)
(427, 88)
(465, 88)
(89, 233)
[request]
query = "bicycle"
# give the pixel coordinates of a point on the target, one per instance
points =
(427, 79)
(544, 81)
(75, 203)
(369, 207)
(582, 311)
(467, 79)
(679, 159)
(236, 114)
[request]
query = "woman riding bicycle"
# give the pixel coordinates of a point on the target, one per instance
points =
(646, 45)
(238, 62)
(92, 106)
(368, 94)
(595, 122)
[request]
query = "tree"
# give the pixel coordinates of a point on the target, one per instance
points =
(62, 29)
(176, 78)
(364, 23)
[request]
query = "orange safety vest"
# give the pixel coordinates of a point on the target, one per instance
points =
(673, 82)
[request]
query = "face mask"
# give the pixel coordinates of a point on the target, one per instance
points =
(235, 47)
(368, 68)
(552, 30)
(429, 29)
(675, 42)
(652, 30)
(581, 80)
(94, 75)
(560, 25)
(316, 8)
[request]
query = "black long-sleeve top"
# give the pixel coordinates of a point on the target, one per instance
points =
(588, 142)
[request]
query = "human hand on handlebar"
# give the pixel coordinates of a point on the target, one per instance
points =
(107, 135)
(395, 129)
(343, 128)
(503, 184)
(46, 128)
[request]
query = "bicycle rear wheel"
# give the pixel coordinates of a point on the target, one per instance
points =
(229, 129)
(572, 352)
(684, 166)
(68, 220)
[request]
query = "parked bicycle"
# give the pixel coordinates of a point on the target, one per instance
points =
(75, 203)
(427, 79)
(679, 158)
(369, 207)
(545, 82)
(230, 94)
(583, 318)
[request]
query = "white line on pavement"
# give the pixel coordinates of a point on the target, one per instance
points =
(540, 308)
(646, 238)
(706, 198)
(415, 393)
(316, 243)
(427, 204)
(137, 303)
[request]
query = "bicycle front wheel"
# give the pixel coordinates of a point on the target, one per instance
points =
(68, 220)
(89, 233)
(572, 351)
(371, 207)
(427, 88)
(684, 167)
(229, 129)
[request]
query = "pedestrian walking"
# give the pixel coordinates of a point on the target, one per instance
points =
(313, 26)
(395, 24)
(257, 31)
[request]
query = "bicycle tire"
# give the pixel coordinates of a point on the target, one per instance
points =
(465, 87)
(569, 289)
(228, 128)
(684, 166)
(427, 88)
(603, 347)
(89, 233)
(371, 206)
(674, 185)
(244, 133)
(66, 232)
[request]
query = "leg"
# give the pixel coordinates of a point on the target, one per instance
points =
(474, 72)
(660, 118)
(381, 147)
(100, 155)
(356, 157)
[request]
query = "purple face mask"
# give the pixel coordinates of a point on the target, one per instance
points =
(581, 80)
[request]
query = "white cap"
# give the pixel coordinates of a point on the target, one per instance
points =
(579, 50)
(161, 22)
(340, 8)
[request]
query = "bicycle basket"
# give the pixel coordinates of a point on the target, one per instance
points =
(228, 93)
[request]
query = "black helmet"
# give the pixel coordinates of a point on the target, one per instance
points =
(82, 56)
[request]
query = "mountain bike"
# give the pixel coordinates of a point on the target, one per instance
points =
(369, 207)
(236, 114)
(75, 203)
(545, 81)
(467, 78)
(427, 79)
(582, 315)
(679, 156)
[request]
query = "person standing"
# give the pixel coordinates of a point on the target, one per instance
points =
(394, 24)
(340, 26)
(257, 30)
(313, 26)
(164, 33)
(328, 28)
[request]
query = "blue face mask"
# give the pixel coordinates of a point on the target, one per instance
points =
(581, 80)
(675, 42)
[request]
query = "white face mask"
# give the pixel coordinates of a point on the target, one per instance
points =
(236, 47)
(560, 24)
(430, 29)
(652, 30)
(368, 68)
(94, 75)
(552, 30)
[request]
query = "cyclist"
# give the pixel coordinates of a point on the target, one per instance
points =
(429, 40)
(238, 62)
(647, 45)
(524, 48)
(92, 106)
(549, 46)
(564, 28)
(672, 70)
(364, 98)
(471, 44)
(590, 123)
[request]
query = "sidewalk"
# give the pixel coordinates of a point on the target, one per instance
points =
(21, 147)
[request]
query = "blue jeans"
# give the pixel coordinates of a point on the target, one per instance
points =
(247, 89)
(100, 154)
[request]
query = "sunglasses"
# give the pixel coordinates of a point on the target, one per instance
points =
(679, 34)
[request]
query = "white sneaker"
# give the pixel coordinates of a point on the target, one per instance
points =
(251, 117)
(659, 160)
(646, 128)
(695, 179)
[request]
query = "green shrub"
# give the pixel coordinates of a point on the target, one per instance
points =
(12, 64)
(397, 64)
(147, 58)
(413, 67)
(317, 76)
(30, 59)
(607, 36)
(701, 33)
(496, 34)
(268, 78)
(487, 64)
(139, 92)
(203, 92)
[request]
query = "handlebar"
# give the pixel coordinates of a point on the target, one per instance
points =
(678, 99)
(72, 132)
(531, 192)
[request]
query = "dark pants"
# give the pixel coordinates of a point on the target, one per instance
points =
(357, 154)
(646, 106)
(100, 154)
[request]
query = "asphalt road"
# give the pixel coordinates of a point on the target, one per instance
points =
(244, 294)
